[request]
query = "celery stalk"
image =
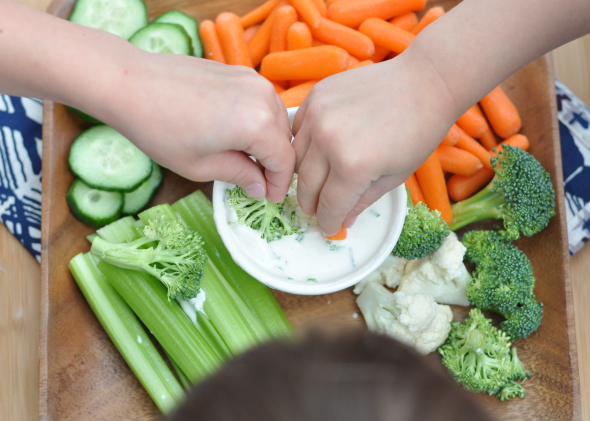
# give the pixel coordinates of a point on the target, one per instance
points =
(120, 231)
(186, 383)
(209, 331)
(197, 212)
(219, 306)
(127, 334)
(178, 336)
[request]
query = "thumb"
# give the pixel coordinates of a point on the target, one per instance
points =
(234, 167)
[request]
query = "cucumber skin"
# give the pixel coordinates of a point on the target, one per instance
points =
(152, 195)
(103, 188)
(71, 201)
(82, 115)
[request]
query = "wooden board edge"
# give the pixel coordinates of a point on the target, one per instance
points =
(44, 286)
(560, 202)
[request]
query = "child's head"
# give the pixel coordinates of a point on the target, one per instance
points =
(360, 377)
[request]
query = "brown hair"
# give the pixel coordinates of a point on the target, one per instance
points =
(354, 377)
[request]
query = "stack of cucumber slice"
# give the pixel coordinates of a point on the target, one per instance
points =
(174, 32)
(114, 178)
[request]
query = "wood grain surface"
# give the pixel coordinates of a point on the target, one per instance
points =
(19, 279)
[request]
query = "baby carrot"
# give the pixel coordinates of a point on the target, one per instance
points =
(380, 54)
(293, 83)
(415, 190)
(231, 36)
(469, 144)
(488, 139)
(452, 136)
(278, 89)
(501, 113)
(317, 43)
(249, 32)
(339, 236)
(285, 17)
(432, 182)
(461, 187)
(260, 43)
(211, 44)
(293, 97)
(329, 2)
(473, 122)
(430, 16)
(386, 35)
(322, 8)
(310, 63)
(352, 61)
(354, 12)
(299, 36)
(518, 141)
(458, 161)
(407, 22)
(308, 11)
(259, 14)
(360, 64)
(344, 37)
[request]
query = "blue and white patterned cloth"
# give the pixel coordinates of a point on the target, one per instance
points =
(20, 167)
(574, 130)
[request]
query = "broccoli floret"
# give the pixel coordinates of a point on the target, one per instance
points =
(477, 354)
(520, 193)
(169, 251)
(503, 282)
(423, 232)
(510, 390)
(261, 215)
(518, 370)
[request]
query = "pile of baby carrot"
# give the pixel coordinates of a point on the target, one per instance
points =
(465, 153)
(296, 43)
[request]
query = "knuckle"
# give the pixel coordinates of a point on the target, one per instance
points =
(239, 176)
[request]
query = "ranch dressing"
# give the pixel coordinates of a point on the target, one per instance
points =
(308, 256)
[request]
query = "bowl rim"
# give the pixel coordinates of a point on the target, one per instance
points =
(280, 283)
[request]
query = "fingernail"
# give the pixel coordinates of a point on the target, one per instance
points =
(255, 191)
(350, 222)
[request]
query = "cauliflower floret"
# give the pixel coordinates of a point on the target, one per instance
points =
(389, 273)
(441, 275)
(292, 205)
(414, 319)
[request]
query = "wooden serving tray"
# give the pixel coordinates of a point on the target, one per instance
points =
(82, 375)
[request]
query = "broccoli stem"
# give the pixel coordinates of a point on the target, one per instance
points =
(197, 212)
(127, 333)
(479, 207)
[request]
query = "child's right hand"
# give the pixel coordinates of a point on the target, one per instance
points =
(202, 119)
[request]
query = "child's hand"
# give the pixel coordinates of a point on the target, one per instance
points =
(202, 119)
(363, 132)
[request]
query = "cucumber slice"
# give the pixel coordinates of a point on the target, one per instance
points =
(104, 159)
(119, 17)
(189, 24)
(95, 207)
(163, 38)
(141, 196)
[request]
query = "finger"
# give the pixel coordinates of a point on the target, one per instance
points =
(233, 167)
(299, 117)
(301, 145)
(312, 175)
(274, 151)
(374, 192)
(337, 198)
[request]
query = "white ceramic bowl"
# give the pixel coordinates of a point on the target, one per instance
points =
(399, 200)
